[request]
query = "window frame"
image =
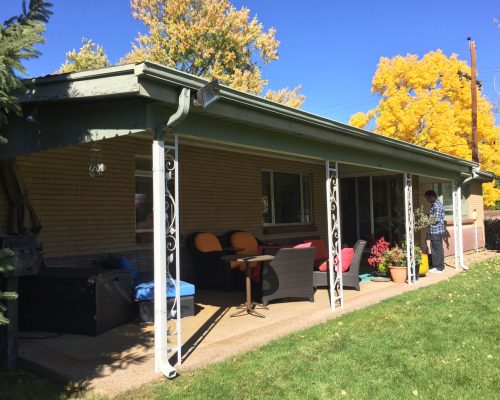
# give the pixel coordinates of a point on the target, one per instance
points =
(440, 190)
(144, 174)
(302, 202)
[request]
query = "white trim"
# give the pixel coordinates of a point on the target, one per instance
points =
(160, 262)
(177, 253)
(457, 226)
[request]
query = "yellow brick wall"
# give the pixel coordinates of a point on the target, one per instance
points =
(80, 214)
(219, 191)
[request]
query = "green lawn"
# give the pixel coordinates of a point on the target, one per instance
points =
(439, 342)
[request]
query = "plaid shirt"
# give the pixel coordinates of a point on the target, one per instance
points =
(437, 210)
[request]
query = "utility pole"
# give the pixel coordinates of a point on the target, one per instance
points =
(473, 87)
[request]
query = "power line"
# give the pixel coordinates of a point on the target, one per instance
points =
(353, 103)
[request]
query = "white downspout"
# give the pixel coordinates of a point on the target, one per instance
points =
(160, 251)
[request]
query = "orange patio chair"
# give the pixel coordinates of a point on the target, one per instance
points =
(215, 269)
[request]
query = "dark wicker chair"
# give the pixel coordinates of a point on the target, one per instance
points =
(350, 278)
(289, 275)
(213, 268)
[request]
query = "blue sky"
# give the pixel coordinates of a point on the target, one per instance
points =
(330, 47)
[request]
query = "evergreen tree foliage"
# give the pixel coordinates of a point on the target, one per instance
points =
(6, 261)
(18, 37)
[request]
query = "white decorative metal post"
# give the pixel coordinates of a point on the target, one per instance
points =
(457, 226)
(409, 225)
(165, 210)
(172, 224)
(334, 236)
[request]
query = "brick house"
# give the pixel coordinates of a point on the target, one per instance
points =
(243, 163)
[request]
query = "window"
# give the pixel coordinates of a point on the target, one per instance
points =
(143, 199)
(445, 194)
(286, 198)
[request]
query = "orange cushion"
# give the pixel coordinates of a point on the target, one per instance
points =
(244, 242)
(206, 242)
(237, 264)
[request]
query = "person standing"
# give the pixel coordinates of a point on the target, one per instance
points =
(436, 231)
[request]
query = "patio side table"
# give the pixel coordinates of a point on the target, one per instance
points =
(249, 307)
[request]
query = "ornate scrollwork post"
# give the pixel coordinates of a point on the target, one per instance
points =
(334, 234)
(172, 231)
(410, 230)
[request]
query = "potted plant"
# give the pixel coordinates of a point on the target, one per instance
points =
(420, 268)
(376, 259)
(394, 258)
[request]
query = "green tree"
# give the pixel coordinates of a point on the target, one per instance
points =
(6, 260)
(18, 37)
(211, 39)
(90, 56)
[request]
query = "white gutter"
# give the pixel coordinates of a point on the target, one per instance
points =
(160, 249)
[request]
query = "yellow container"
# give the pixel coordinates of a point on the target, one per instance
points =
(424, 265)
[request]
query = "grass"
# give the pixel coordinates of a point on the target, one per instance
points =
(439, 342)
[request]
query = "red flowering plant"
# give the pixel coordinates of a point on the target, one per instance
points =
(377, 255)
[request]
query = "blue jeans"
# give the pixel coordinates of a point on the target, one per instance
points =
(437, 252)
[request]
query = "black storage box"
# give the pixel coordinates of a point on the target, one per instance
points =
(147, 308)
(86, 301)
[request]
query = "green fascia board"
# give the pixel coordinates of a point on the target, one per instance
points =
(102, 83)
(61, 124)
(228, 132)
(316, 145)
(162, 85)
(254, 111)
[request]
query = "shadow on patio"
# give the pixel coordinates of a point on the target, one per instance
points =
(123, 357)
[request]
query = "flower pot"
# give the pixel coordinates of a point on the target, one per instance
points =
(398, 274)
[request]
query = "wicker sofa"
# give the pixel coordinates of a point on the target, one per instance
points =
(350, 278)
(289, 275)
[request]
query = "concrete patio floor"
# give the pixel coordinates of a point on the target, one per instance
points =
(123, 358)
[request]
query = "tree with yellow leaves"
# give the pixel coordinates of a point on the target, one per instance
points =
(291, 98)
(90, 56)
(211, 39)
(427, 101)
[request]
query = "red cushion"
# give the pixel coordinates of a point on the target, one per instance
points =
(347, 255)
(303, 245)
(321, 250)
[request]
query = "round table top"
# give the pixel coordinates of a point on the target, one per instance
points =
(257, 258)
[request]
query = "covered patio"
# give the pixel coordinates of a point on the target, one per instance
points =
(207, 174)
(123, 358)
